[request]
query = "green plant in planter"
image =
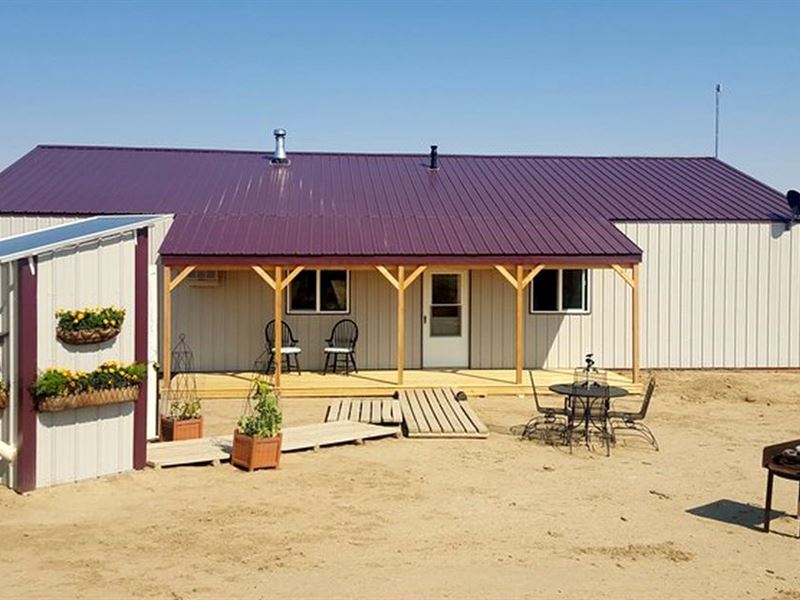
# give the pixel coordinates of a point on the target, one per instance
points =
(265, 422)
(110, 375)
(91, 318)
(185, 410)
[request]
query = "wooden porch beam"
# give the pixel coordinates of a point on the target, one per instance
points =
(265, 276)
(278, 287)
(166, 329)
(414, 274)
(624, 274)
(519, 354)
(635, 331)
(181, 276)
(401, 323)
(388, 275)
(294, 273)
(533, 273)
(504, 272)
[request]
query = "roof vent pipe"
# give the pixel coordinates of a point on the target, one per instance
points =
(279, 156)
(434, 158)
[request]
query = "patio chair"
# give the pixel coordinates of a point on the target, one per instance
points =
(632, 421)
(341, 346)
(290, 351)
(546, 421)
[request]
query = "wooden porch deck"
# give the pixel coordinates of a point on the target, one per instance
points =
(473, 382)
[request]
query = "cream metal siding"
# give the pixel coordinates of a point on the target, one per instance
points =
(224, 324)
(8, 359)
(713, 295)
(87, 442)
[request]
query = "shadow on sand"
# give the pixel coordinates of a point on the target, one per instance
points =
(735, 513)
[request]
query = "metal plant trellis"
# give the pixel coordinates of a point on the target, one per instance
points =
(183, 387)
(259, 375)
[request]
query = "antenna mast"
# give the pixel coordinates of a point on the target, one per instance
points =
(716, 122)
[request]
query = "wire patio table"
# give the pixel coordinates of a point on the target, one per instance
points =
(589, 405)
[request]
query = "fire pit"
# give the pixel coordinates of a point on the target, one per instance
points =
(781, 460)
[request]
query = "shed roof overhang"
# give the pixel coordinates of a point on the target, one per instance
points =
(221, 261)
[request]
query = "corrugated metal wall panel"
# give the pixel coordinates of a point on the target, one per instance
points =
(87, 442)
(713, 295)
(7, 364)
(224, 325)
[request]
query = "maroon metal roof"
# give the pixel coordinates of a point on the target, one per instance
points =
(237, 203)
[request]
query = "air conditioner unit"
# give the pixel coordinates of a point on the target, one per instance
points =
(199, 278)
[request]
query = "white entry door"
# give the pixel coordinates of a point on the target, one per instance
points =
(445, 319)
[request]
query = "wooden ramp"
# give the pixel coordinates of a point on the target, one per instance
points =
(380, 411)
(438, 413)
(188, 452)
(305, 437)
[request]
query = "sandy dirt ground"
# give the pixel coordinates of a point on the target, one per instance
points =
(399, 518)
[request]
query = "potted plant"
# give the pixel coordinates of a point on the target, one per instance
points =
(183, 421)
(59, 389)
(257, 440)
(3, 394)
(90, 325)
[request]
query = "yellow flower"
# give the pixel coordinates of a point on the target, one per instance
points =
(113, 322)
(105, 321)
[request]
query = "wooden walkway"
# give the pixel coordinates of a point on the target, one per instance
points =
(437, 413)
(369, 384)
(304, 437)
(382, 411)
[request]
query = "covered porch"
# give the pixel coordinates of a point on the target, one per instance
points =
(399, 320)
(473, 382)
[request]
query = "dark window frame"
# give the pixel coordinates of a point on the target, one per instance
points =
(318, 292)
(560, 296)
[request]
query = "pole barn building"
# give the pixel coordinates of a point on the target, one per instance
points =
(484, 266)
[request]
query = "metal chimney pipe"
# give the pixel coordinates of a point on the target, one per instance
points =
(434, 158)
(279, 156)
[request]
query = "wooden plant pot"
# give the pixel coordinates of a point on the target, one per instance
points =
(90, 398)
(185, 429)
(86, 336)
(3, 398)
(256, 453)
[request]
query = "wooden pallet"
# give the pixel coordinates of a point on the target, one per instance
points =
(188, 452)
(438, 413)
(382, 411)
(305, 437)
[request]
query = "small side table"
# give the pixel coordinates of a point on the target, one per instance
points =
(771, 461)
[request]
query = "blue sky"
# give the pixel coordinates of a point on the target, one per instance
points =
(602, 78)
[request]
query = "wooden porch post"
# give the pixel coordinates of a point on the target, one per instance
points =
(166, 329)
(635, 332)
(278, 324)
(401, 323)
(520, 324)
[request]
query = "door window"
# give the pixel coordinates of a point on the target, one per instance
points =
(445, 305)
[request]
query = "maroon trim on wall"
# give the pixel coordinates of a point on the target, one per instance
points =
(177, 260)
(140, 347)
(26, 375)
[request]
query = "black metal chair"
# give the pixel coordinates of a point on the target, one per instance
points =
(547, 424)
(290, 351)
(341, 346)
(632, 421)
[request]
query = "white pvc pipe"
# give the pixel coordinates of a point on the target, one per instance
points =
(8, 452)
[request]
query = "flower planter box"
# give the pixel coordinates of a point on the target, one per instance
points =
(3, 398)
(182, 429)
(256, 453)
(77, 337)
(91, 398)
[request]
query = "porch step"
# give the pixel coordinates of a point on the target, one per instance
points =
(440, 413)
